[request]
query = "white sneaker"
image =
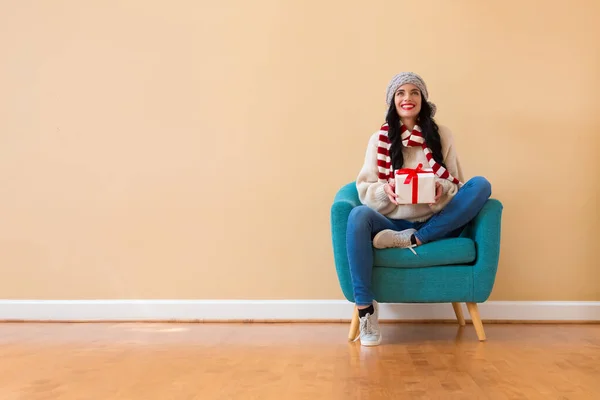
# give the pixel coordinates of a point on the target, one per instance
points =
(389, 238)
(370, 335)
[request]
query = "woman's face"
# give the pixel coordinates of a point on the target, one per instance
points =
(408, 101)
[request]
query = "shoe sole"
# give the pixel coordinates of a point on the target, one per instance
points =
(371, 344)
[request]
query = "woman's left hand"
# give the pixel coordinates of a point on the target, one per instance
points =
(439, 190)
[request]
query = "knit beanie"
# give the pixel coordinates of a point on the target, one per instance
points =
(404, 78)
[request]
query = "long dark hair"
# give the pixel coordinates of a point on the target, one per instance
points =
(428, 127)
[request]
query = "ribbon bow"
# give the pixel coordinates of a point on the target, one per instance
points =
(411, 173)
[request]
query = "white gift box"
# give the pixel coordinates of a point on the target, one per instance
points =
(415, 186)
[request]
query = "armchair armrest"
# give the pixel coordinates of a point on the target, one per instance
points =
(345, 200)
(485, 231)
(348, 194)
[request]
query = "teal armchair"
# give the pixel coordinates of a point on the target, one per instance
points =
(454, 270)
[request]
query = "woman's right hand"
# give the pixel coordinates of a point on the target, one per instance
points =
(390, 190)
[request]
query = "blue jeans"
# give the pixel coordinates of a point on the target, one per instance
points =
(364, 223)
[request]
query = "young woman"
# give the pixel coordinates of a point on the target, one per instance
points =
(409, 137)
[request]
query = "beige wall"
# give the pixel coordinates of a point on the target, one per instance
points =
(166, 149)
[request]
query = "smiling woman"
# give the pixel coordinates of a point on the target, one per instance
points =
(409, 139)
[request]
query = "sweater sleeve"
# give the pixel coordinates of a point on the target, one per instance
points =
(370, 190)
(452, 165)
(450, 155)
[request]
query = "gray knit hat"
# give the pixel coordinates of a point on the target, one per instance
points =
(404, 78)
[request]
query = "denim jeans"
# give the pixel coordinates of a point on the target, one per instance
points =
(364, 223)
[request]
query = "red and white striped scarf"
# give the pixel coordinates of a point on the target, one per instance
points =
(409, 139)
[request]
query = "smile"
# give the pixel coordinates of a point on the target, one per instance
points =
(408, 106)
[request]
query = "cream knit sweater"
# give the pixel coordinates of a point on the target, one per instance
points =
(371, 193)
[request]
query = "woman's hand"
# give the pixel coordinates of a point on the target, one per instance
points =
(390, 190)
(439, 190)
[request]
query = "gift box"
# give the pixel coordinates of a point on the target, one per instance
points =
(415, 185)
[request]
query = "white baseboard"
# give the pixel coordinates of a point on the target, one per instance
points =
(281, 310)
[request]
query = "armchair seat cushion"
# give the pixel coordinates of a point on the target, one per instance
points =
(445, 252)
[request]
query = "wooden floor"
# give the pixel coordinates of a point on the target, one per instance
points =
(296, 361)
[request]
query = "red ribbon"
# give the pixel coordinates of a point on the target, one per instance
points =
(412, 173)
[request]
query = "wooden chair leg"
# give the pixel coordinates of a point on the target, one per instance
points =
(474, 311)
(353, 326)
(459, 314)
